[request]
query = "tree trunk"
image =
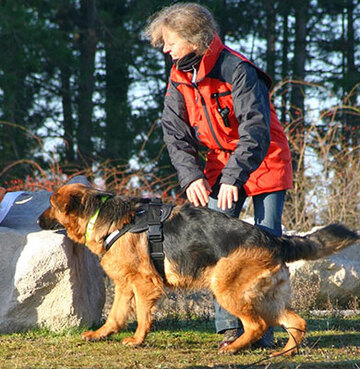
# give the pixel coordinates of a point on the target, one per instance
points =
(88, 42)
(297, 92)
(352, 77)
(297, 143)
(285, 65)
(270, 37)
(68, 121)
(118, 138)
(65, 19)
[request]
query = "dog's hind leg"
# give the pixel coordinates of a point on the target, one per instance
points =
(296, 327)
(146, 294)
(235, 284)
(254, 328)
(117, 317)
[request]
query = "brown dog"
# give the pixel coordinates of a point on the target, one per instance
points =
(243, 266)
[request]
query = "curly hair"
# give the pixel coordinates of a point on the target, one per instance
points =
(192, 22)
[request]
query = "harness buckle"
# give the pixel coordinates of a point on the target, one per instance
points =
(155, 232)
(157, 255)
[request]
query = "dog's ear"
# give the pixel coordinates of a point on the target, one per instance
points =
(91, 200)
(55, 201)
(95, 198)
(74, 205)
(67, 202)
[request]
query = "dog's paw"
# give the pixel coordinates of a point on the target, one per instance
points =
(92, 336)
(130, 341)
(227, 350)
(283, 353)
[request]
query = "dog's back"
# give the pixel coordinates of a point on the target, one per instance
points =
(195, 238)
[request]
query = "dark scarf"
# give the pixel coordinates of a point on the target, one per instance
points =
(188, 62)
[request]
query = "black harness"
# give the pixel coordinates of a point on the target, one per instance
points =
(149, 217)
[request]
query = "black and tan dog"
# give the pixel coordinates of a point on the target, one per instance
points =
(243, 266)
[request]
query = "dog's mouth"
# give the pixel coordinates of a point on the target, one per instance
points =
(48, 223)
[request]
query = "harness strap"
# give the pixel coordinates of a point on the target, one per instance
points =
(149, 218)
(155, 236)
(114, 236)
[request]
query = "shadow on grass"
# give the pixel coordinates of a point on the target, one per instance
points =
(320, 338)
(190, 324)
(334, 341)
(333, 322)
(200, 324)
(349, 364)
(323, 325)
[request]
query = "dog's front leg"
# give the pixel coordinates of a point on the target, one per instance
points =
(146, 295)
(117, 317)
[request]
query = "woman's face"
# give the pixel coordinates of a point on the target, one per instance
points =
(175, 45)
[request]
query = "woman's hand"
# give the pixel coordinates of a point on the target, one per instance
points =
(227, 195)
(198, 192)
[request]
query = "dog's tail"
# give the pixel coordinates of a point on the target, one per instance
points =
(321, 243)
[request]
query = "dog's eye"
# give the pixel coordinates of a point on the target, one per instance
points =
(55, 201)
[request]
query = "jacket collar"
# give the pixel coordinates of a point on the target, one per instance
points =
(210, 57)
(206, 65)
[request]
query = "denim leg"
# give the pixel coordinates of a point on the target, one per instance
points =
(233, 212)
(268, 208)
(223, 319)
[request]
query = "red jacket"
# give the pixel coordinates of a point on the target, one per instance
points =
(227, 109)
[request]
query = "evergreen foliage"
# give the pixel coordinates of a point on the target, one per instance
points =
(78, 74)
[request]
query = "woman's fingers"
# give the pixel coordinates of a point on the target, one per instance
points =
(198, 192)
(227, 195)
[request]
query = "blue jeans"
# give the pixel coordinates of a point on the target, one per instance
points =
(268, 208)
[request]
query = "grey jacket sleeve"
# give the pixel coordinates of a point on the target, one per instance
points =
(179, 138)
(252, 110)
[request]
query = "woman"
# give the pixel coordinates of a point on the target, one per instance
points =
(219, 99)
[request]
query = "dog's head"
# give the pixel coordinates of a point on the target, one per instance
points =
(72, 206)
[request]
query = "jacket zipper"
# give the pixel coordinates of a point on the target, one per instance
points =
(195, 85)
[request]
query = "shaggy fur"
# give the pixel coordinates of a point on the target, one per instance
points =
(242, 265)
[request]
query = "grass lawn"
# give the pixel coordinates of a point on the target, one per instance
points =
(331, 342)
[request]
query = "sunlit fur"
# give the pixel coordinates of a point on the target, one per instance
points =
(243, 266)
